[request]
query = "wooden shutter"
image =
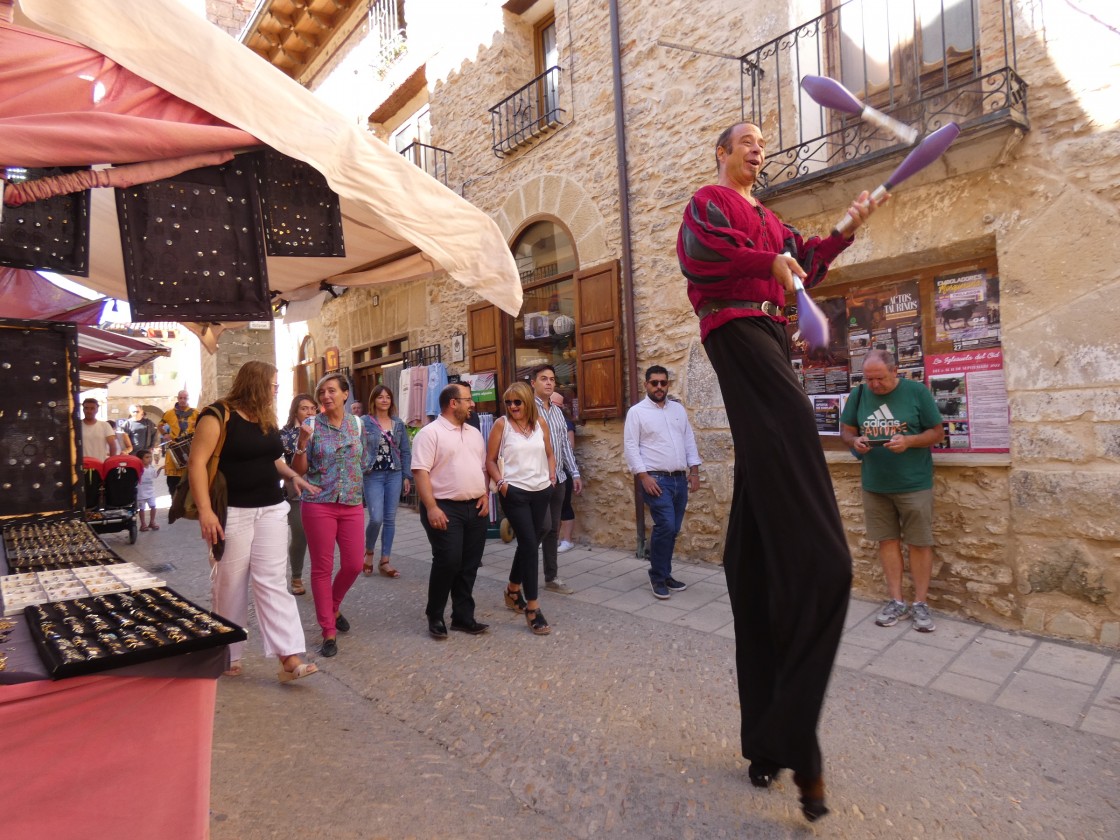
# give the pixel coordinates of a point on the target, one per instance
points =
(485, 340)
(598, 342)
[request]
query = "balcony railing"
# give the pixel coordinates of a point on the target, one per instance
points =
(387, 28)
(958, 65)
(531, 111)
(431, 159)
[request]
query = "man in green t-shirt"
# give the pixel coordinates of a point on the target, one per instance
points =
(891, 424)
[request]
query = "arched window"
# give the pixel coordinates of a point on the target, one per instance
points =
(544, 249)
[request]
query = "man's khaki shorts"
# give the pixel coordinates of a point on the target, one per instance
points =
(905, 516)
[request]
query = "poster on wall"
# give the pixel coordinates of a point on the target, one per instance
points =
(823, 370)
(971, 394)
(886, 318)
(967, 310)
(826, 410)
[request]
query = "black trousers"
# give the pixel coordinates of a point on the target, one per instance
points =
(788, 567)
(527, 512)
(456, 556)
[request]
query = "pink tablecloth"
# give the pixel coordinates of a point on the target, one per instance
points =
(106, 757)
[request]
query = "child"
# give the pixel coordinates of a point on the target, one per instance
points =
(146, 491)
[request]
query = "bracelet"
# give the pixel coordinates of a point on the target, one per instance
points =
(300, 451)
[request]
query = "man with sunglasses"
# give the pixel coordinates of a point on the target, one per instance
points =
(660, 449)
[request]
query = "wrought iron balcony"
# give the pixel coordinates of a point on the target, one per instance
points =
(431, 159)
(957, 64)
(387, 28)
(528, 113)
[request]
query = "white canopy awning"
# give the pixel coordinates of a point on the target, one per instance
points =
(396, 218)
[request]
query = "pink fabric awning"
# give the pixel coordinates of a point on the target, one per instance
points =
(26, 295)
(62, 104)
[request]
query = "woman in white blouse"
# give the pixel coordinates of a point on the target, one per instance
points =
(525, 481)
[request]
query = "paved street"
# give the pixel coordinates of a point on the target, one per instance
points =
(624, 721)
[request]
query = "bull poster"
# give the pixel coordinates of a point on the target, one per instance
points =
(886, 318)
(967, 310)
(971, 394)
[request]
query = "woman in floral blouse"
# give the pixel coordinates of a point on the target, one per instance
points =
(329, 453)
(388, 444)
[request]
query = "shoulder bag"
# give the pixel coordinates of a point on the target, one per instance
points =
(183, 505)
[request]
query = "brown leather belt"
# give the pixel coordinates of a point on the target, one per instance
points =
(714, 306)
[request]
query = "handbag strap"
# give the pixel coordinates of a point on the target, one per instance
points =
(212, 464)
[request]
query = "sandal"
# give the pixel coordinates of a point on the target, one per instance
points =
(153, 527)
(385, 569)
(303, 669)
(298, 587)
(515, 600)
(234, 669)
(536, 622)
(145, 528)
(367, 567)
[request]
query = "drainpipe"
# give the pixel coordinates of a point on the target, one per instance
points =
(627, 270)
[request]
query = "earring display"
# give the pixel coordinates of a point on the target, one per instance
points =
(92, 634)
(27, 588)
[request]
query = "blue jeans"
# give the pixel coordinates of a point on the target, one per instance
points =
(667, 511)
(383, 497)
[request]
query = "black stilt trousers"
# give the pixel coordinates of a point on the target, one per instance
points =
(788, 567)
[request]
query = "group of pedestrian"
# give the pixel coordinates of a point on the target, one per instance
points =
(786, 557)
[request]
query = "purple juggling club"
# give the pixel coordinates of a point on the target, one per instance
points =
(829, 93)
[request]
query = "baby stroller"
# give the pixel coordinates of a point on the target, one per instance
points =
(111, 489)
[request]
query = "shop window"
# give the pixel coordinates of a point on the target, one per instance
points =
(569, 319)
(942, 323)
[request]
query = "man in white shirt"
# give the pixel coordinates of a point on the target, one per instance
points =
(99, 439)
(660, 449)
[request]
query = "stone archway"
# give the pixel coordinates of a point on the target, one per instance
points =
(564, 199)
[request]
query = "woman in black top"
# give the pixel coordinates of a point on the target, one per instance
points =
(256, 525)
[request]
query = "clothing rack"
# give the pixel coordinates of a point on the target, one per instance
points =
(423, 355)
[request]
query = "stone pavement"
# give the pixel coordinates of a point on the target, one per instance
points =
(624, 721)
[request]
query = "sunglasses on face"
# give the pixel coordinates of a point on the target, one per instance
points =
(657, 383)
(514, 403)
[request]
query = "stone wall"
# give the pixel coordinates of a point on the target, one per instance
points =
(1028, 540)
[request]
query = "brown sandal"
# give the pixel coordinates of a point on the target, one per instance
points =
(388, 571)
(297, 587)
(367, 567)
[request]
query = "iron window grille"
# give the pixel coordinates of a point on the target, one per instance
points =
(958, 65)
(531, 111)
(387, 27)
(431, 159)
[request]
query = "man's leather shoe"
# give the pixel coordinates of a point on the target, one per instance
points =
(329, 648)
(473, 627)
(437, 628)
(341, 624)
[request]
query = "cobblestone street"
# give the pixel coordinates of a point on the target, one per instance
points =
(624, 721)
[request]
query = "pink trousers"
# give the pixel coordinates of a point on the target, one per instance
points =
(327, 524)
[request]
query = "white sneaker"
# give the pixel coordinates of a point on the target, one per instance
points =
(563, 546)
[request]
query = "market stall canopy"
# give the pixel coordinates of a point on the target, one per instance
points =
(26, 295)
(103, 355)
(149, 62)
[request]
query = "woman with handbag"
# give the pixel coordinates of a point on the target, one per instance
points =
(525, 480)
(240, 432)
(386, 439)
(330, 452)
(302, 407)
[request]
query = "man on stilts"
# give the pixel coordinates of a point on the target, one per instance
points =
(786, 558)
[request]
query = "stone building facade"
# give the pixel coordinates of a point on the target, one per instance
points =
(1029, 538)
